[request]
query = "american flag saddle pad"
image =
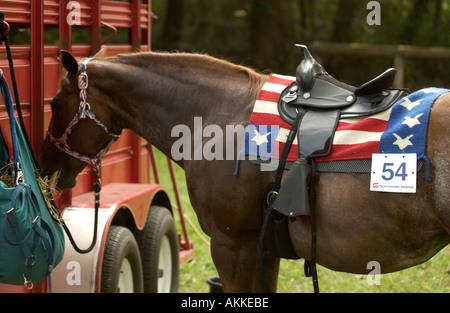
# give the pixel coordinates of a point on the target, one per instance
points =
(400, 129)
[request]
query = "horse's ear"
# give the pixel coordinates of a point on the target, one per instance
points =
(69, 62)
(101, 53)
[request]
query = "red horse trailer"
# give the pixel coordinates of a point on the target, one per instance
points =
(133, 211)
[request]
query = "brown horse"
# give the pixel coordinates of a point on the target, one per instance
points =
(151, 93)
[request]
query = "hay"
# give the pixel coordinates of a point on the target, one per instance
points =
(45, 184)
(6, 175)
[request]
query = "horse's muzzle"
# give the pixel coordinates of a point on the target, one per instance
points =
(66, 183)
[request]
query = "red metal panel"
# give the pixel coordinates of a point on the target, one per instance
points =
(52, 72)
(65, 29)
(51, 12)
(148, 20)
(116, 13)
(96, 27)
(136, 169)
(37, 75)
(136, 32)
(21, 55)
(145, 14)
(16, 11)
(13, 289)
(81, 51)
(85, 16)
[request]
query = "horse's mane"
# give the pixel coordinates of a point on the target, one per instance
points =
(255, 79)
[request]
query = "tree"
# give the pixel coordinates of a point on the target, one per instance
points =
(343, 20)
(270, 34)
(170, 36)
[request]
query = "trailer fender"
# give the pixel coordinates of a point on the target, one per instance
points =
(121, 204)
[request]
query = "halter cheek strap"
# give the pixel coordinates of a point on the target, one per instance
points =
(84, 111)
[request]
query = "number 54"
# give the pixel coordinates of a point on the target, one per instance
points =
(389, 173)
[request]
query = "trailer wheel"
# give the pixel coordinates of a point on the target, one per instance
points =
(122, 266)
(158, 242)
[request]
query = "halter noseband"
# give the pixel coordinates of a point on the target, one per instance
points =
(84, 111)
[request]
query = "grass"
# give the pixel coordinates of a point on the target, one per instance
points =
(430, 277)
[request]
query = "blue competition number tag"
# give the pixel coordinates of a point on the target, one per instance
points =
(394, 172)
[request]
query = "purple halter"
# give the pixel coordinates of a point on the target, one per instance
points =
(84, 111)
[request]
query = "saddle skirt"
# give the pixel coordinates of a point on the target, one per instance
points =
(399, 129)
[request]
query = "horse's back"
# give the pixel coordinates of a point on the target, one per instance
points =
(438, 152)
(356, 226)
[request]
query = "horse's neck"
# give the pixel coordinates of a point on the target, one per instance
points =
(155, 94)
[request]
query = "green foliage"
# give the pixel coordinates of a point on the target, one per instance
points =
(262, 33)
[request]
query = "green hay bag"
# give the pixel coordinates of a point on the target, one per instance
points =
(31, 241)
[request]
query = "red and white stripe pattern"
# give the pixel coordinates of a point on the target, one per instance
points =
(355, 138)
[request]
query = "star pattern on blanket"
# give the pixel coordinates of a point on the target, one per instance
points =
(402, 143)
(403, 139)
(260, 139)
(409, 104)
(406, 130)
(412, 121)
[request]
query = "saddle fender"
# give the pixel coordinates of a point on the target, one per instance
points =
(293, 198)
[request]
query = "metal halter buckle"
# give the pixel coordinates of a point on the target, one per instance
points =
(80, 81)
(61, 144)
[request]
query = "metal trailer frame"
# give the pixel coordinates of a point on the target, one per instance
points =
(127, 169)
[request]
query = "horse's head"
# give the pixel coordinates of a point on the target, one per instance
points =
(81, 127)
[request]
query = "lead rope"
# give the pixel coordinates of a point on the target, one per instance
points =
(97, 188)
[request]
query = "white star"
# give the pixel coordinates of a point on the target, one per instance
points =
(410, 105)
(411, 122)
(430, 90)
(402, 143)
(260, 139)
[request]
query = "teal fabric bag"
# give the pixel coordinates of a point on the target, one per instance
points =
(31, 241)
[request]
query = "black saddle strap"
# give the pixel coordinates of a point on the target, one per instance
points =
(272, 191)
(310, 265)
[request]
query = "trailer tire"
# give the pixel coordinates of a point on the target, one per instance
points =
(122, 265)
(158, 242)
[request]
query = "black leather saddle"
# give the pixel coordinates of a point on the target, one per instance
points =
(315, 88)
(313, 105)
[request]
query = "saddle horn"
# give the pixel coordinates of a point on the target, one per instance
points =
(307, 70)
